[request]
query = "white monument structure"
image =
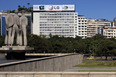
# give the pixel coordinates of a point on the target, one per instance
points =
(24, 23)
(16, 25)
(9, 24)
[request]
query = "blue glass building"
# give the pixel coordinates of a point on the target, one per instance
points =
(3, 25)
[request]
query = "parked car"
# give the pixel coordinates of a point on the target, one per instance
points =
(113, 58)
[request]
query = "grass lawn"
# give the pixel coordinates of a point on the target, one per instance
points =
(97, 70)
(97, 64)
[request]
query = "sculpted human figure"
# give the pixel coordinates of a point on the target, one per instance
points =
(23, 24)
(16, 26)
(9, 24)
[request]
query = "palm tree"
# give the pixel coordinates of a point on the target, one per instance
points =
(28, 5)
(19, 6)
(23, 6)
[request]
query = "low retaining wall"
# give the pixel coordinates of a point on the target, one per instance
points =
(58, 74)
(55, 63)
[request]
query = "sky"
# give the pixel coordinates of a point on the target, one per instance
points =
(94, 9)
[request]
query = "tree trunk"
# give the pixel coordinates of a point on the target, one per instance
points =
(111, 56)
(106, 57)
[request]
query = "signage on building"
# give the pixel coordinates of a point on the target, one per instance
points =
(53, 7)
(0, 13)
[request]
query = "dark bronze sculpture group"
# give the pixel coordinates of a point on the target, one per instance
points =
(16, 24)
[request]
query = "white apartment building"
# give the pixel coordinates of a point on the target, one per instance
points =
(95, 26)
(109, 32)
(61, 20)
(82, 26)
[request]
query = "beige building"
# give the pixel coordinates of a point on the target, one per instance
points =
(95, 26)
(109, 32)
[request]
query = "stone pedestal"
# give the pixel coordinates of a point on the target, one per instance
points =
(2, 56)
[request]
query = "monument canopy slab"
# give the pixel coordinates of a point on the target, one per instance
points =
(16, 49)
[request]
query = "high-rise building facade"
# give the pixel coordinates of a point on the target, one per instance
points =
(82, 26)
(95, 26)
(109, 32)
(0, 22)
(3, 25)
(0, 26)
(114, 22)
(61, 20)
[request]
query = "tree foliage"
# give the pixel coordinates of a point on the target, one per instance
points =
(96, 46)
(1, 41)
